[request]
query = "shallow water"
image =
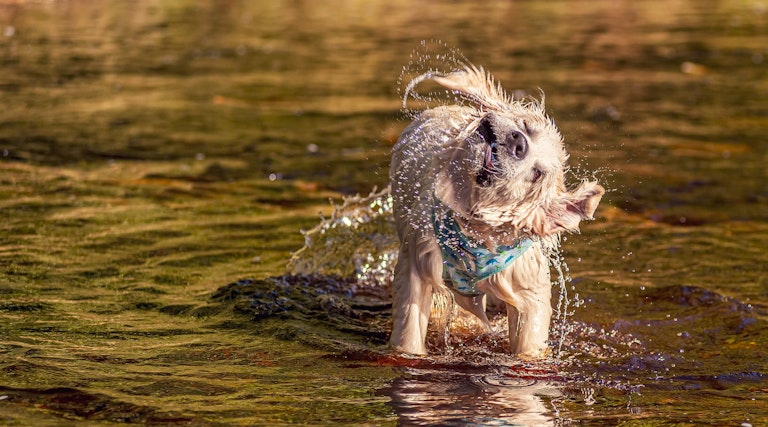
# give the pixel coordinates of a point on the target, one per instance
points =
(157, 161)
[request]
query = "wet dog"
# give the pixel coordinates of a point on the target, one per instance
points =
(480, 201)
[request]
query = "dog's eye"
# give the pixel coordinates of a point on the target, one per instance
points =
(527, 129)
(537, 174)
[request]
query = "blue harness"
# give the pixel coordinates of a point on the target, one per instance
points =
(466, 261)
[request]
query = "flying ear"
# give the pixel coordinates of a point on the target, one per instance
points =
(572, 207)
(476, 85)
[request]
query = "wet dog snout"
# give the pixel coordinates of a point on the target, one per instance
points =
(517, 144)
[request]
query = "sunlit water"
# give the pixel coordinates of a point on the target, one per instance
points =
(159, 159)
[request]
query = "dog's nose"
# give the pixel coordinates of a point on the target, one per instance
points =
(517, 144)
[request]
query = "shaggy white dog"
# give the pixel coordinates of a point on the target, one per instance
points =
(479, 198)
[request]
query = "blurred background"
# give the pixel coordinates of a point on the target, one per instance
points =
(154, 151)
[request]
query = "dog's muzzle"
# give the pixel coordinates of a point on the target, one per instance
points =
(490, 165)
(515, 145)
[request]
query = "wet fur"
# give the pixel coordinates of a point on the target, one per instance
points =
(444, 154)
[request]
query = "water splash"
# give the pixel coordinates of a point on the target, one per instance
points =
(358, 240)
(429, 58)
(560, 326)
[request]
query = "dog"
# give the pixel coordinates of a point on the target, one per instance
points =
(479, 200)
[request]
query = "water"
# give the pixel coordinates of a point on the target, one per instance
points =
(158, 160)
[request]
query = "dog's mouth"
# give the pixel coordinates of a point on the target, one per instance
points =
(490, 166)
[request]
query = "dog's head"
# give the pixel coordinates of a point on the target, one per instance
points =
(506, 168)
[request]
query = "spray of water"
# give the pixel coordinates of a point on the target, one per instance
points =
(358, 240)
(430, 58)
(560, 326)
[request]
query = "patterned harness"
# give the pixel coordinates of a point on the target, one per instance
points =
(465, 260)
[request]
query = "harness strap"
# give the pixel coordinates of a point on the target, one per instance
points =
(465, 260)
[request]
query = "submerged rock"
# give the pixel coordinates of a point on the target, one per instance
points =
(323, 305)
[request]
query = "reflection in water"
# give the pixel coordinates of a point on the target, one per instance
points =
(429, 397)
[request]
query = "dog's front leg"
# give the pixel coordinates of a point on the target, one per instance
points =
(529, 325)
(411, 304)
(526, 290)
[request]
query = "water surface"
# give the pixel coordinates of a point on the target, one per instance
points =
(158, 159)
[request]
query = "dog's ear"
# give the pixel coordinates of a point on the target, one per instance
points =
(476, 85)
(569, 209)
